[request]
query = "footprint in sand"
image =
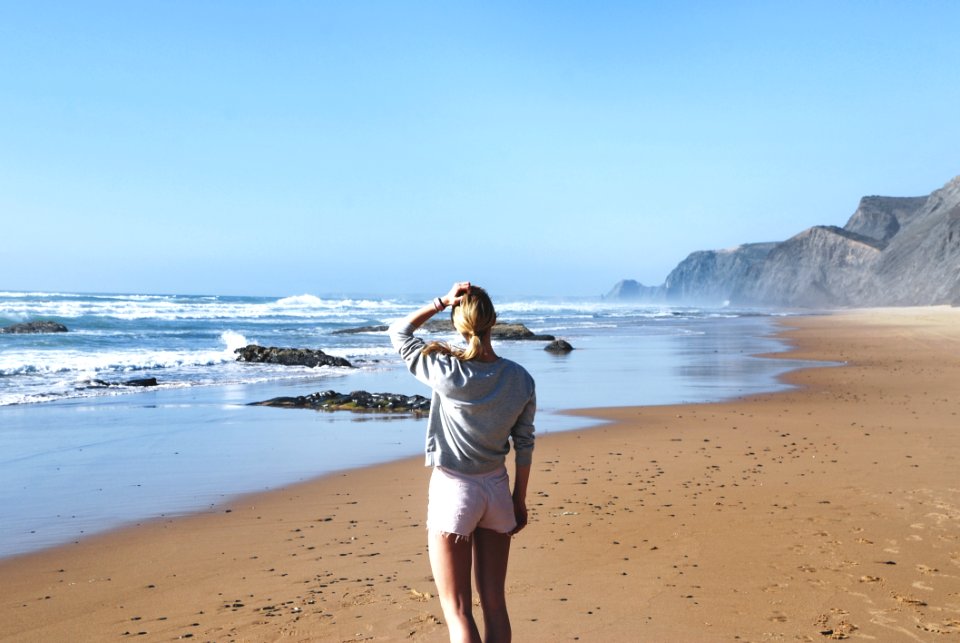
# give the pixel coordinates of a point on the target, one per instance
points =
(923, 586)
(420, 596)
(909, 600)
(419, 624)
(939, 518)
(951, 626)
(835, 626)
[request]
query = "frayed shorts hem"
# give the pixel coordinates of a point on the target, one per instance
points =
(449, 535)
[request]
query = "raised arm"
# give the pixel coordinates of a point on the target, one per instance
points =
(417, 318)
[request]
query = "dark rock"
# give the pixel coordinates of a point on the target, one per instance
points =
(359, 401)
(558, 346)
(499, 330)
(517, 331)
(35, 327)
(143, 381)
(288, 356)
(362, 329)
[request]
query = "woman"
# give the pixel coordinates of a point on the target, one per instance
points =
(480, 403)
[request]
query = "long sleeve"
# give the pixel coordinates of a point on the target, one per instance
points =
(523, 433)
(476, 409)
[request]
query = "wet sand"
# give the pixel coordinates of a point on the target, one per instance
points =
(825, 512)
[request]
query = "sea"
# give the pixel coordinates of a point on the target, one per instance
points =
(82, 452)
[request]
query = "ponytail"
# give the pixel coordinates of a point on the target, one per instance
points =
(472, 317)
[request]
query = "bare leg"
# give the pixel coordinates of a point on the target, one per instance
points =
(491, 552)
(451, 561)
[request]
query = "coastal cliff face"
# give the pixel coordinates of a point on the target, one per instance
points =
(894, 251)
(921, 264)
(706, 276)
(818, 267)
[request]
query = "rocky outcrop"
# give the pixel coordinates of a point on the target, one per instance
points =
(630, 289)
(35, 327)
(893, 251)
(141, 382)
(516, 331)
(378, 328)
(288, 356)
(881, 217)
(359, 401)
(499, 330)
(559, 346)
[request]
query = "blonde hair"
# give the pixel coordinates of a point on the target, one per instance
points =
(472, 317)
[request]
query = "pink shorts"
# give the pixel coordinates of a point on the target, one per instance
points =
(461, 502)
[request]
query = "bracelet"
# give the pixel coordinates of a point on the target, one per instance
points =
(438, 304)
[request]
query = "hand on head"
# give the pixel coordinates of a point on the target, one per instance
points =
(457, 291)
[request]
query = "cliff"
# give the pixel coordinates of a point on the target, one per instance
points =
(893, 251)
(821, 266)
(706, 276)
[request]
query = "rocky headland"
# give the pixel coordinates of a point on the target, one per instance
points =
(893, 251)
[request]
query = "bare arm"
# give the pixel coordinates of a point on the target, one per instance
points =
(418, 317)
(521, 478)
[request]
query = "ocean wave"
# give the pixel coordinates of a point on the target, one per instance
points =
(95, 364)
(353, 352)
(189, 340)
(13, 294)
(300, 301)
(308, 302)
(173, 308)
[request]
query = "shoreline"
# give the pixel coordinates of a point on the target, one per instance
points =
(767, 516)
(112, 461)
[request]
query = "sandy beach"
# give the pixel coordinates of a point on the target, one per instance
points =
(828, 511)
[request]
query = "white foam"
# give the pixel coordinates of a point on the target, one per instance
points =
(357, 351)
(49, 362)
(233, 341)
(171, 308)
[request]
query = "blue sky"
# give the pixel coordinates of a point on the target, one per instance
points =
(539, 148)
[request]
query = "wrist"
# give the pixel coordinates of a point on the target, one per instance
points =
(439, 304)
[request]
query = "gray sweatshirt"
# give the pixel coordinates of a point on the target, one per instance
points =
(476, 408)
